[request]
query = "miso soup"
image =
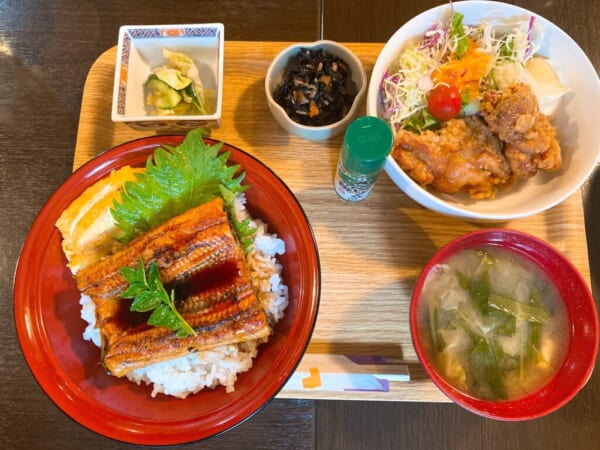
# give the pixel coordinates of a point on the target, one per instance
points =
(493, 323)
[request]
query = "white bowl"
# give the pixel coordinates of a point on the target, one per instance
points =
(140, 51)
(577, 130)
(276, 73)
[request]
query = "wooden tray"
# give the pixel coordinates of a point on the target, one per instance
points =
(371, 252)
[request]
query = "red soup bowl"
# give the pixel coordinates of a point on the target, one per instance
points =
(467, 306)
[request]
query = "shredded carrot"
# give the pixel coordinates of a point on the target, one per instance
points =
(313, 109)
(464, 73)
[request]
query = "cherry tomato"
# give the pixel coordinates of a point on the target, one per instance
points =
(443, 102)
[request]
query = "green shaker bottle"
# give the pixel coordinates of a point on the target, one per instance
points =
(367, 143)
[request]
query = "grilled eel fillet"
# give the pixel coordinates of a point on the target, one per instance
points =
(197, 254)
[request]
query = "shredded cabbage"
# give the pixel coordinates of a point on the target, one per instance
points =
(406, 88)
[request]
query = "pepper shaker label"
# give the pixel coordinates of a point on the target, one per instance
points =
(351, 187)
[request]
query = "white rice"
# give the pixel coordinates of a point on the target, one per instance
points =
(191, 373)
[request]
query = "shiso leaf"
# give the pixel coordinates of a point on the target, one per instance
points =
(177, 179)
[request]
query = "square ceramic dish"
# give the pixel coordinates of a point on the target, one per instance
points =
(140, 51)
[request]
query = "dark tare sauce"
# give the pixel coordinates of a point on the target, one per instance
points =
(126, 319)
(211, 278)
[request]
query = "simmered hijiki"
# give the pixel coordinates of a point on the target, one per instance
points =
(317, 88)
(496, 325)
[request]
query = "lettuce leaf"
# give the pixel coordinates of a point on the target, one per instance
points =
(457, 32)
(420, 121)
(177, 179)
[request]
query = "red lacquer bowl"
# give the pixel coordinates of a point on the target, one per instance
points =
(577, 367)
(47, 316)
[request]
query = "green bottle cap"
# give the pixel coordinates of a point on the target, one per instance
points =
(368, 141)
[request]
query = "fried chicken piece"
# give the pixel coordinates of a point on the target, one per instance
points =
(530, 139)
(462, 156)
(510, 113)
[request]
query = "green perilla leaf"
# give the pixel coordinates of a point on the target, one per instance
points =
(176, 179)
